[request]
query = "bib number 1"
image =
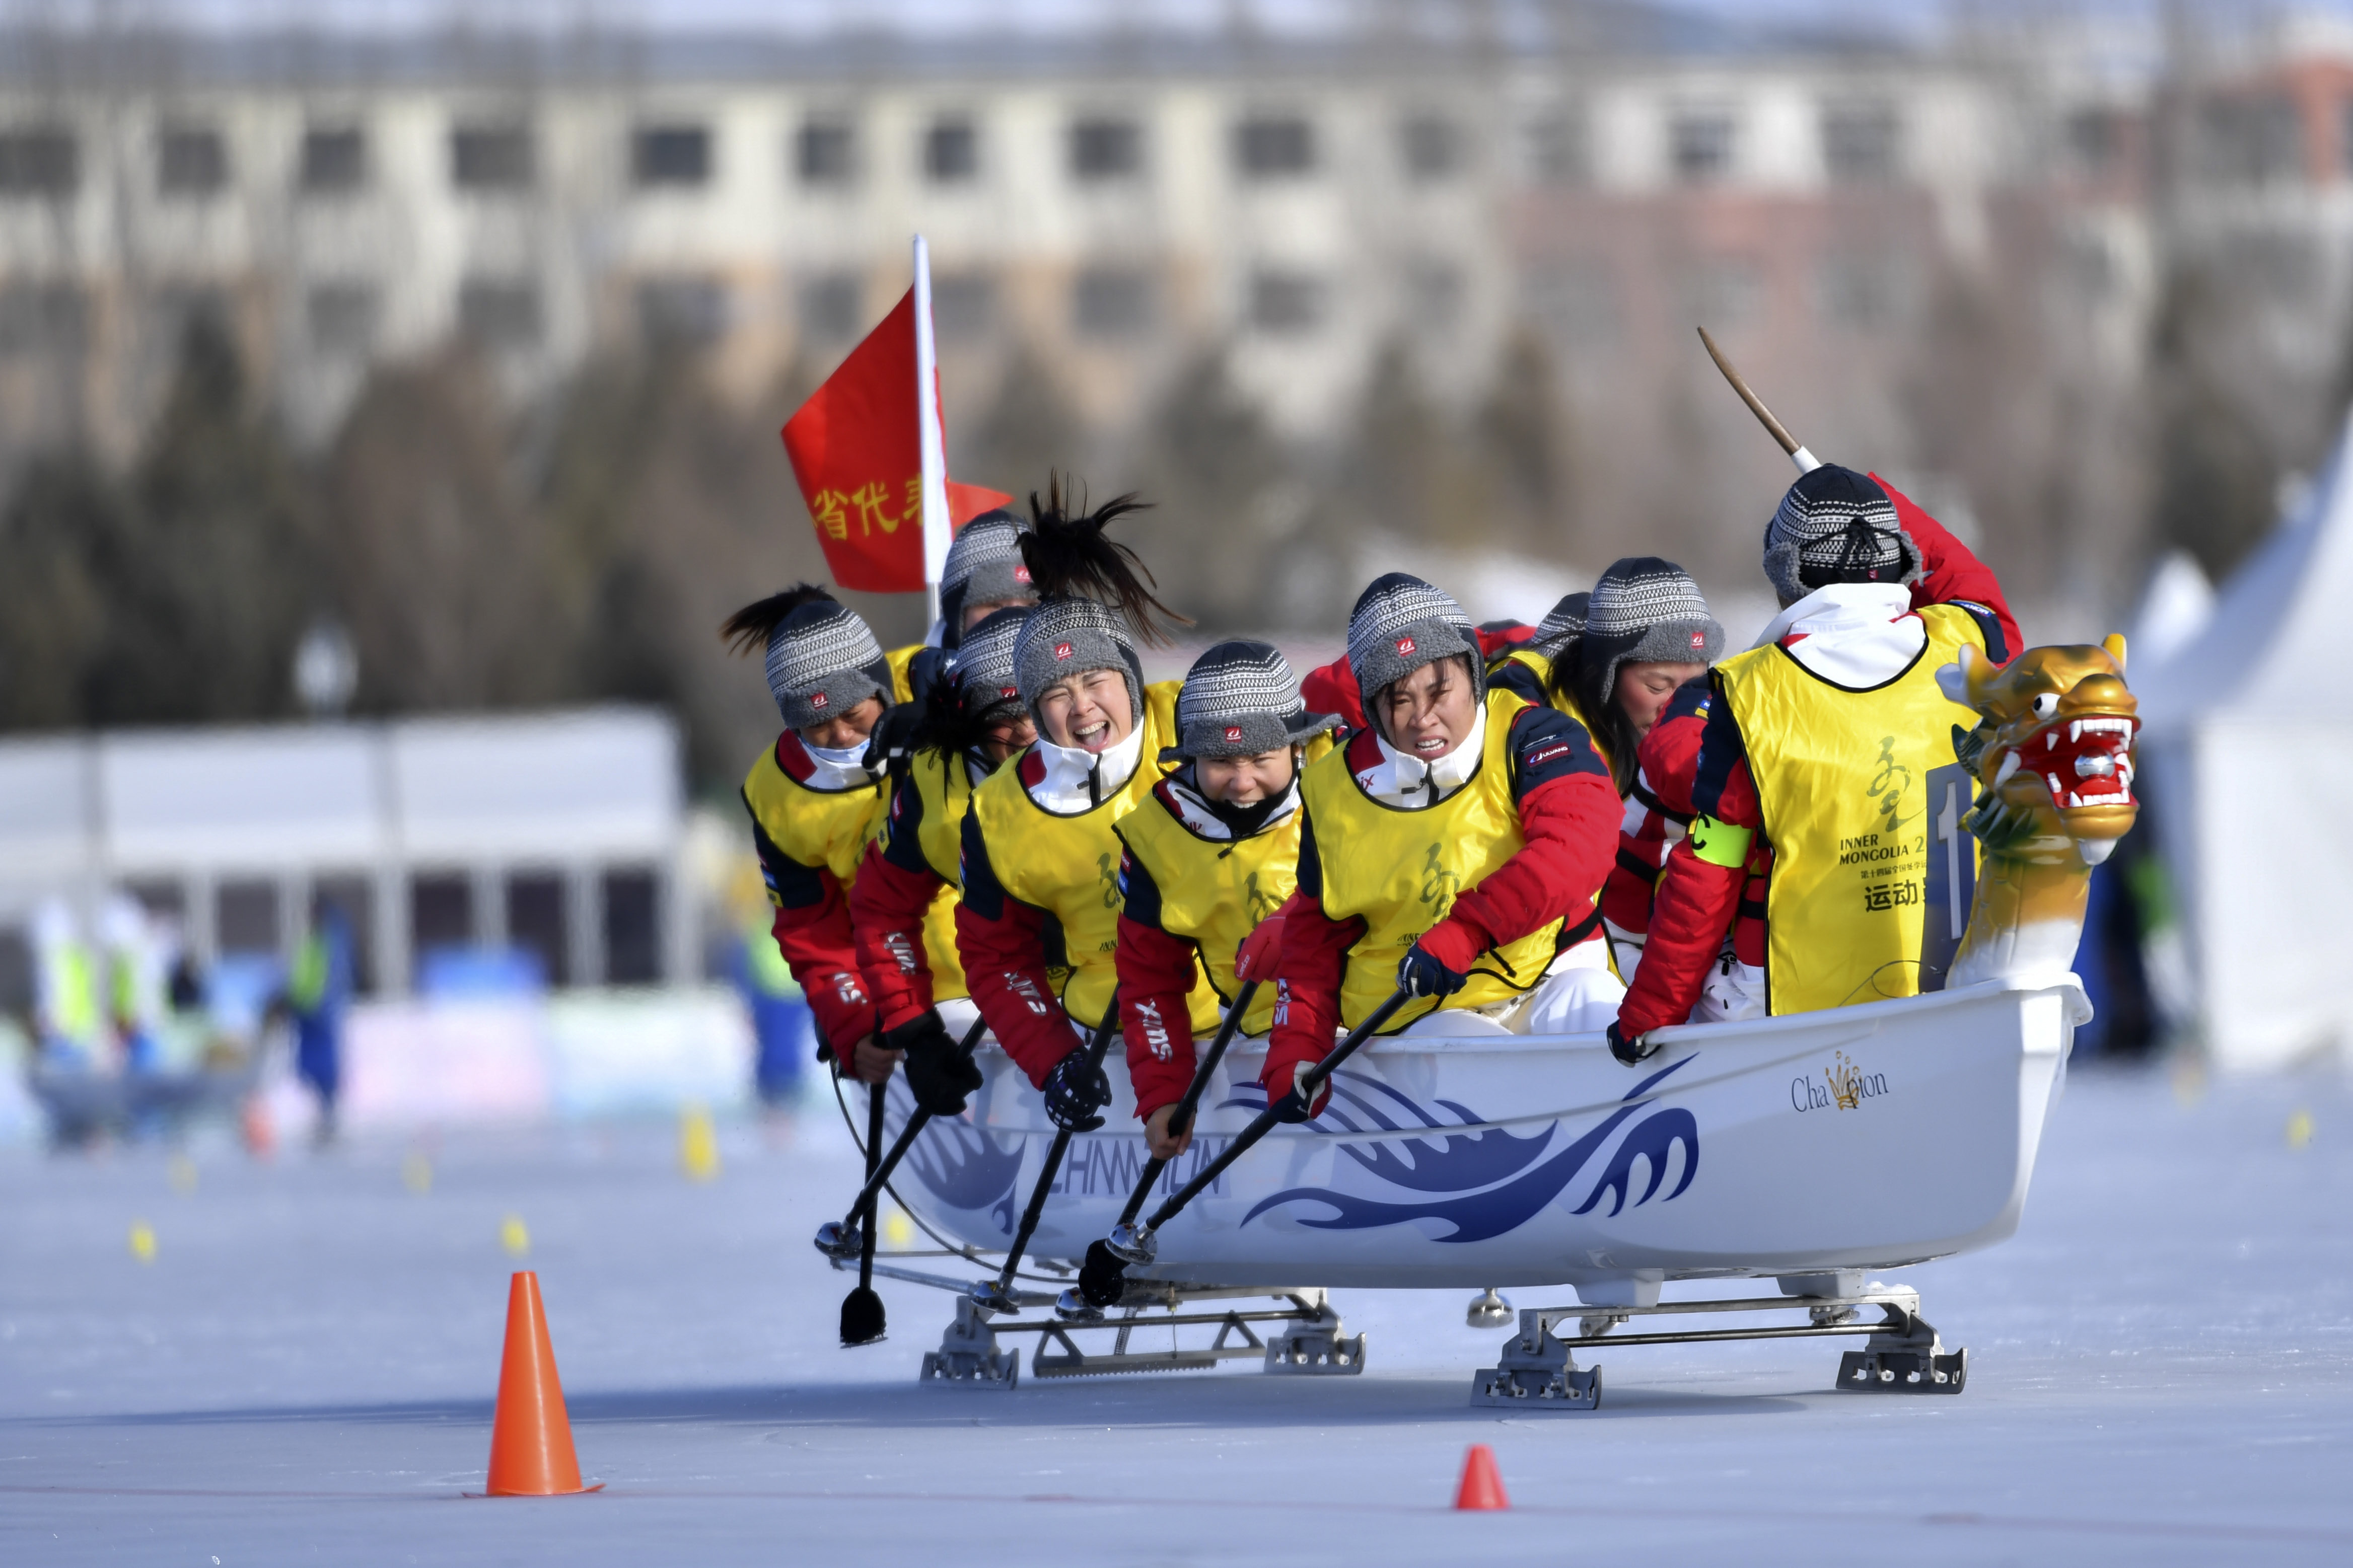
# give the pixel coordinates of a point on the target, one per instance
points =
(1952, 872)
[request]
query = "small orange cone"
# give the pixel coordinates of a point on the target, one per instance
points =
(530, 1435)
(1481, 1488)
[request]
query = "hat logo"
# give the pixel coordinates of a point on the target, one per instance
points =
(817, 700)
(1065, 650)
(1699, 640)
(1405, 645)
(1008, 691)
(1021, 574)
(1233, 732)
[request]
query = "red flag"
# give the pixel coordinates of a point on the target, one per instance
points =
(854, 450)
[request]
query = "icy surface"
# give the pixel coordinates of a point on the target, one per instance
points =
(2161, 1371)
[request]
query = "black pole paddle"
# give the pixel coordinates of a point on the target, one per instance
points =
(1102, 1277)
(1140, 1245)
(840, 1238)
(996, 1294)
(862, 1320)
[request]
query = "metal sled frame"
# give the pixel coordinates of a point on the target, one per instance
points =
(1310, 1342)
(1903, 1354)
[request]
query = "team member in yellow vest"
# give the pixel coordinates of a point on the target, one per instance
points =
(1452, 848)
(983, 574)
(902, 905)
(1212, 852)
(814, 804)
(1824, 742)
(1040, 857)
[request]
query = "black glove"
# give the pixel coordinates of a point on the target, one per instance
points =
(940, 1075)
(1075, 1090)
(893, 739)
(1290, 1107)
(1420, 974)
(1637, 1049)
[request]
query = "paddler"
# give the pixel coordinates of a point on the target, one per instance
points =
(1212, 851)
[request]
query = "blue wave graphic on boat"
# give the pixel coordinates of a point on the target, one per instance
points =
(1461, 1163)
(961, 1166)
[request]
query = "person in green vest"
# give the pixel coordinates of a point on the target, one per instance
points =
(317, 993)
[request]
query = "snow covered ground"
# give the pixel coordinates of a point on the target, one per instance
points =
(2161, 1371)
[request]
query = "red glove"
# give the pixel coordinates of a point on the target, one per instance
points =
(1262, 949)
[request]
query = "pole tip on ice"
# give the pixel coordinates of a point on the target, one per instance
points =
(531, 1434)
(1482, 1490)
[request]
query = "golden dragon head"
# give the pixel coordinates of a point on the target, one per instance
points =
(2051, 750)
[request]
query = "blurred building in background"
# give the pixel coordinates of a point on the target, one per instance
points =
(552, 840)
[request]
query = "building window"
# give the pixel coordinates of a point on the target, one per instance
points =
(40, 161)
(1725, 293)
(1558, 150)
(440, 914)
(1112, 302)
(1863, 291)
(46, 319)
(246, 917)
(190, 161)
(1577, 300)
(1862, 146)
(632, 928)
(2249, 141)
(1106, 149)
(493, 158)
(500, 314)
(1431, 146)
(538, 923)
(670, 155)
(831, 306)
(2096, 142)
(334, 160)
(1698, 145)
(1433, 295)
(964, 304)
(1285, 304)
(682, 312)
(826, 152)
(1273, 147)
(952, 151)
(342, 319)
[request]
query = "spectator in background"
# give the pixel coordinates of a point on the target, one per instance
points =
(317, 993)
(783, 1028)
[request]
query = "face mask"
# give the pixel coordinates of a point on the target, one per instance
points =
(1242, 821)
(847, 758)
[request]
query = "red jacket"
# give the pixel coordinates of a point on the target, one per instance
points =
(1005, 945)
(812, 931)
(1568, 815)
(888, 905)
(1698, 901)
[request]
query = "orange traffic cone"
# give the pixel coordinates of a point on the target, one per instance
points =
(1482, 1486)
(530, 1436)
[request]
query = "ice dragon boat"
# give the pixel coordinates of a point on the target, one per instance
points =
(1811, 1149)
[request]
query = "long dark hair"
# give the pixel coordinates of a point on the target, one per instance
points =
(949, 725)
(1578, 678)
(749, 629)
(1069, 557)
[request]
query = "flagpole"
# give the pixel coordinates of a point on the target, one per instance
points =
(937, 530)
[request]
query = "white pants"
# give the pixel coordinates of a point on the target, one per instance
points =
(1578, 994)
(1734, 993)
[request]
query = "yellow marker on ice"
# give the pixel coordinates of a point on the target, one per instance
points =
(143, 1241)
(513, 1237)
(698, 1144)
(416, 1174)
(2299, 1128)
(2188, 1082)
(182, 1173)
(896, 1230)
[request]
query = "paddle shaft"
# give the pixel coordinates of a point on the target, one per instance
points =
(875, 1094)
(1266, 1120)
(878, 1177)
(1182, 1117)
(1096, 1047)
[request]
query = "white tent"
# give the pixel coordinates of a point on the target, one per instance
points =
(2247, 748)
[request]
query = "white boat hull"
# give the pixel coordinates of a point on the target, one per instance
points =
(1867, 1137)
